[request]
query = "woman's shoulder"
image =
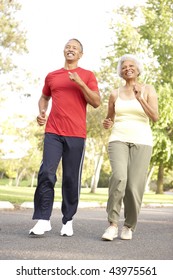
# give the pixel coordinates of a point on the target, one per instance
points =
(114, 94)
(114, 91)
(148, 86)
(150, 89)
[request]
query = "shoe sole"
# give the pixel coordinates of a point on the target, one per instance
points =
(109, 239)
(67, 235)
(126, 238)
(32, 234)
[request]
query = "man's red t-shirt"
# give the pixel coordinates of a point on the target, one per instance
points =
(68, 113)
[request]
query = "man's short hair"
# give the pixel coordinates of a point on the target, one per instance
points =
(78, 42)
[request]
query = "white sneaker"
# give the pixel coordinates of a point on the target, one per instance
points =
(126, 233)
(67, 229)
(41, 227)
(110, 233)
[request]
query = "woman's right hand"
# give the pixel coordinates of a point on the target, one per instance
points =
(107, 123)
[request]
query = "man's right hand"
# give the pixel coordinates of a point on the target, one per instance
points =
(41, 119)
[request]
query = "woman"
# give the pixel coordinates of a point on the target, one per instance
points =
(130, 109)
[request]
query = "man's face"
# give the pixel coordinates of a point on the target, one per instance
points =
(72, 51)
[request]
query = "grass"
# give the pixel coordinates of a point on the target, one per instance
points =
(18, 195)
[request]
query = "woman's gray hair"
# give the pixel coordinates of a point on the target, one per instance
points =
(129, 57)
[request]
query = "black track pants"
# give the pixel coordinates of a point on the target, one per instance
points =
(71, 151)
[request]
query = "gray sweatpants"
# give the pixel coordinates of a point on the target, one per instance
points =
(129, 163)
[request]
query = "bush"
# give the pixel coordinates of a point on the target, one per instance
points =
(103, 180)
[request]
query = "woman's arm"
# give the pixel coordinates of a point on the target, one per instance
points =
(150, 104)
(108, 121)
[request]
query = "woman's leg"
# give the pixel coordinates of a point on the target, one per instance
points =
(118, 154)
(139, 160)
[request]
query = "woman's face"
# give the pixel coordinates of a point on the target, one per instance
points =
(129, 70)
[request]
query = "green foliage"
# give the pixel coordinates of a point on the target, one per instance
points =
(163, 129)
(25, 150)
(104, 179)
(147, 32)
(157, 30)
(12, 38)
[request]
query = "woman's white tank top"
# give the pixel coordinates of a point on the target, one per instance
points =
(131, 123)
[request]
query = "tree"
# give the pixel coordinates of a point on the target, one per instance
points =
(157, 30)
(13, 155)
(95, 145)
(163, 135)
(12, 38)
(146, 31)
(20, 148)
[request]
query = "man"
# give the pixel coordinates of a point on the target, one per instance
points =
(70, 88)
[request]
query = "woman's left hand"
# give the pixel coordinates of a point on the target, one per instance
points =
(137, 90)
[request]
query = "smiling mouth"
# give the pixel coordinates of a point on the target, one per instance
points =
(70, 54)
(129, 73)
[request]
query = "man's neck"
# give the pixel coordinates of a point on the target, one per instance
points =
(70, 66)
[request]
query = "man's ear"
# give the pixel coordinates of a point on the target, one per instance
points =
(80, 54)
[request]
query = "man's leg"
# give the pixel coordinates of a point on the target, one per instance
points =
(72, 163)
(44, 194)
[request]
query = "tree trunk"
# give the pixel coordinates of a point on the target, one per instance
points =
(160, 179)
(150, 173)
(98, 164)
(19, 177)
(32, 181)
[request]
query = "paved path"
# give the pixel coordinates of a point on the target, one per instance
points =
(153, 239)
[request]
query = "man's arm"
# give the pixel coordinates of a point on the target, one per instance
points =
(42, 105)
(91, 97)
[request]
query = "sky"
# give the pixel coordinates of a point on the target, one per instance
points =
(51, 23)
